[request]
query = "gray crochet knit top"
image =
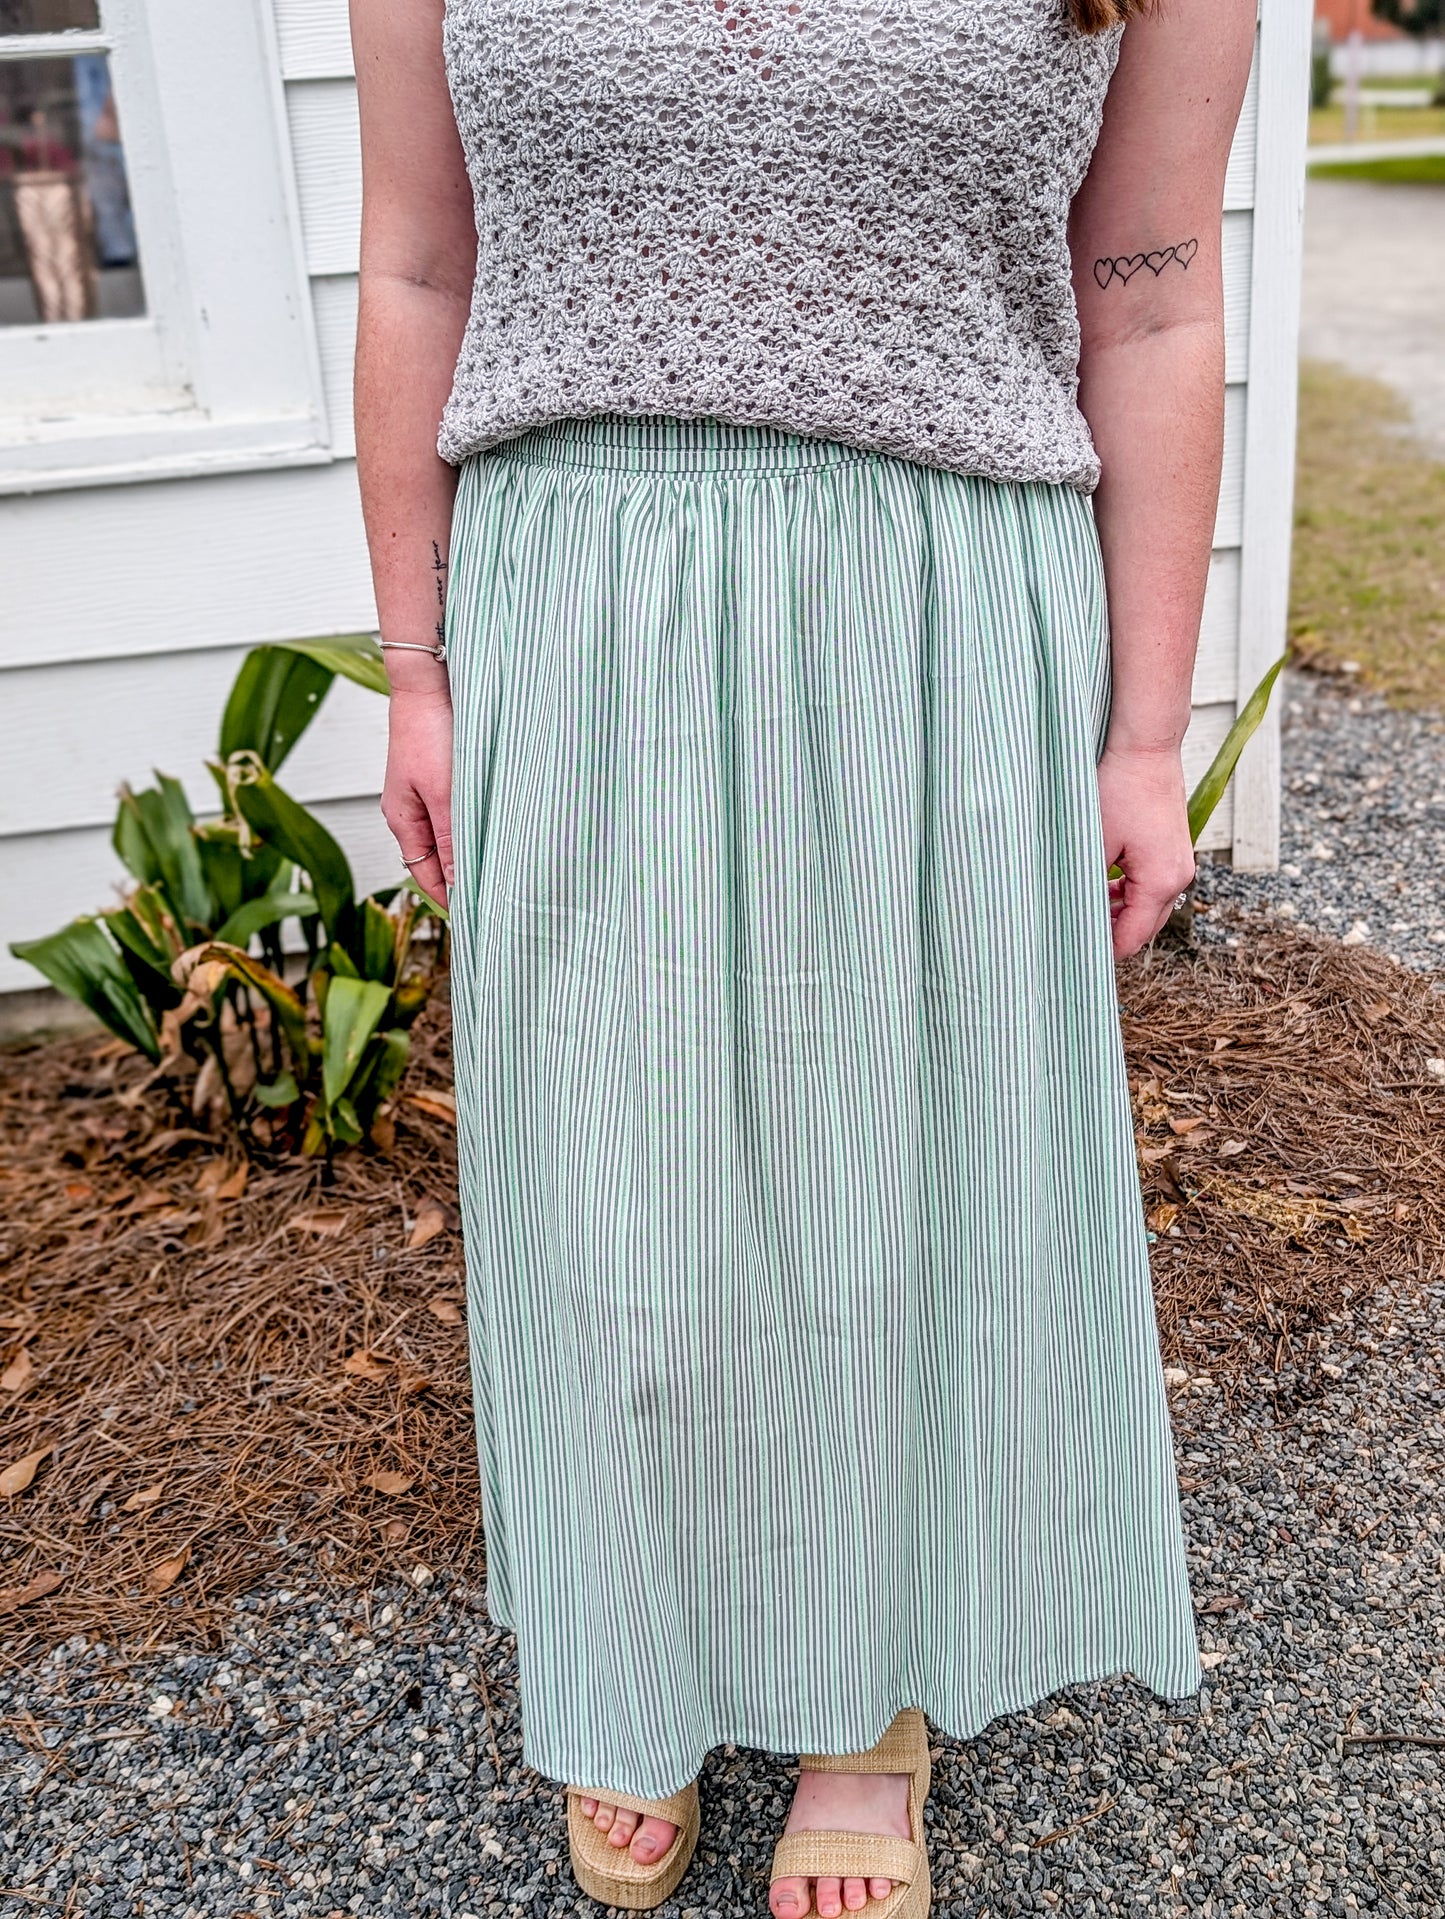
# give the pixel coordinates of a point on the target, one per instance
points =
(844, 218)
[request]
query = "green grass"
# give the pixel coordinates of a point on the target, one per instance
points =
(1368, 582)
(1421, 169)
(1327, 124)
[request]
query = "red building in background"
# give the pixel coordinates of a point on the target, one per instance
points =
(1342, 17)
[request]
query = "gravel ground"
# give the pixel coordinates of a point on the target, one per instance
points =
(1362, 847)
(362, 1756)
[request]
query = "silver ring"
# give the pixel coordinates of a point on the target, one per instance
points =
(420, 860)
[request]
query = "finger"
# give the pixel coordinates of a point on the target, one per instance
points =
(431, 879)
(407, 814)
(441, 821)
(416, 831)
(1138, 922)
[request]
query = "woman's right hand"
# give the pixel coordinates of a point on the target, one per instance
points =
(416, 799)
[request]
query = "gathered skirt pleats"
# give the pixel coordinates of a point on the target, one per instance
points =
(815, 1363)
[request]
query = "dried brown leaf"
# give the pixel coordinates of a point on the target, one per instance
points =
(445, 1308)
(329, 1221)
(146, 1497)
(431, 1219)
(436, 1101)
(172, 1137)
(365, 1365)
(235, 1186)
(13, 1597)
(393, 1484)
(164, 1575)
(14, 1479)
(19, 1373)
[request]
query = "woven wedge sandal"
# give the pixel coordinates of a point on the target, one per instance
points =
(871, 1855)
(609, 1874)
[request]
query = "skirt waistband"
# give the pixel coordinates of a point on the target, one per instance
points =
(667, 443)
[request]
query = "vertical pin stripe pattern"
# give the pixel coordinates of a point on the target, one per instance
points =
(815, 1362)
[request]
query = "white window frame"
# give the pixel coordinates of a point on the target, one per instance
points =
(222, 372)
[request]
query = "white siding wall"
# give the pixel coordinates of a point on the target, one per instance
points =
(127, 609)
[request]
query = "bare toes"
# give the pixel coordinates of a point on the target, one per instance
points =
(788, 1898)
(855, 1894)
(652, 1840)
(603, 1817)
(830, 1898)
(879, 1888)
(623, 1826)
(588, 1808)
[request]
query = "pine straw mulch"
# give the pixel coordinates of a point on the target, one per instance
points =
(209, 1366)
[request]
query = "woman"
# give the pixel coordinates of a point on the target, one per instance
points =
(802, 427)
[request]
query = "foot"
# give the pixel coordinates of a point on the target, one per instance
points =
(841, 1802)
(646, 1839)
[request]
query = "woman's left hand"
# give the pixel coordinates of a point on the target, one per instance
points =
(1146, 835)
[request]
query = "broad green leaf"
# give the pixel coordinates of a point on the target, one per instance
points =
(381, 1068)
(146, 925)
(355, 656)
(379, 932)
(132, 840)
(149, 941)
(354, 1010)
(300, 836)
(87, 965)
(395, 1049)
(1210, 790)
(273, 700)
(235, 876)
(269, 910)
(283, 1091)
(345, 1125)
(410, 996)
(276, 993)
(154, 835)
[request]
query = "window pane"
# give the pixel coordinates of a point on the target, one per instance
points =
(47, 16)
(67, 236)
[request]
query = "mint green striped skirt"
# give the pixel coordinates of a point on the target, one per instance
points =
(815, 1364)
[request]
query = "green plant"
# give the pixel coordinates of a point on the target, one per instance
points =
(1210, 789)
(193, 963)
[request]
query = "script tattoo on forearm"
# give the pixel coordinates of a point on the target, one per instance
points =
(1124, 269)
(439, 571)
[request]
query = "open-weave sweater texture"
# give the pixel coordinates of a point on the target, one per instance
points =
(844, 218)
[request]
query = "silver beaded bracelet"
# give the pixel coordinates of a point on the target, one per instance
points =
(415, 646)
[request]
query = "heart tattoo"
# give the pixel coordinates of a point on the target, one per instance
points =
(1124, 268)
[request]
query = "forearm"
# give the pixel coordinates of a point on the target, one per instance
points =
(1155, 406)
(408, 336)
